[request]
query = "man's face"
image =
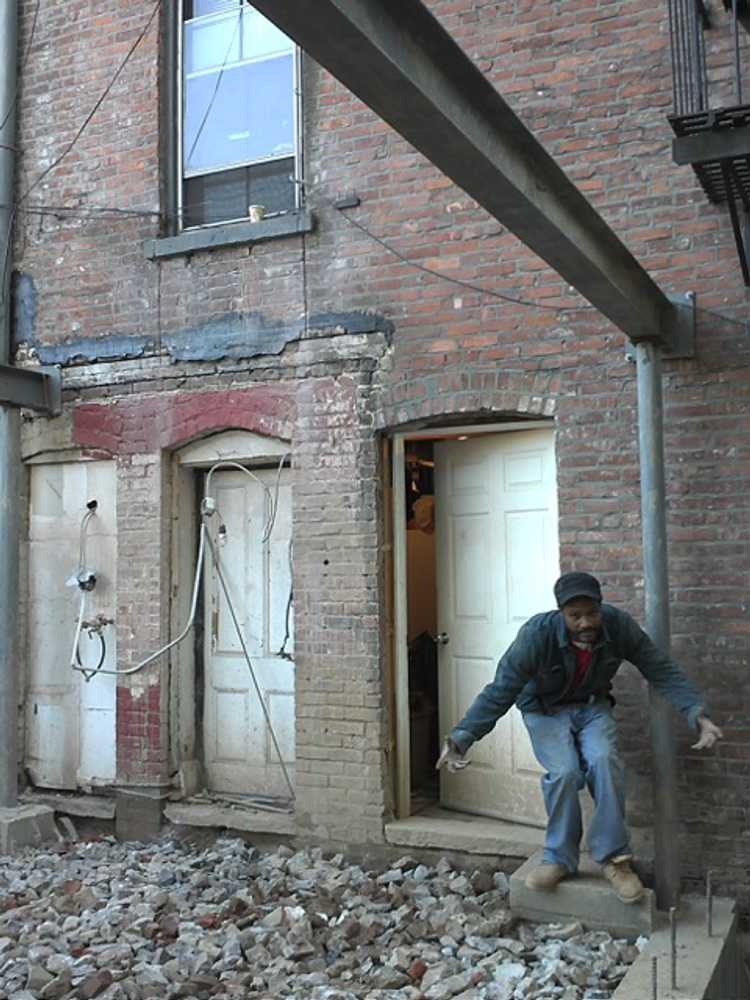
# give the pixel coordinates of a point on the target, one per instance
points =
(583, 619)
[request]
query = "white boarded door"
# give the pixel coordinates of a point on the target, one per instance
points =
(497, 543)
(70, 722)
(239, 752)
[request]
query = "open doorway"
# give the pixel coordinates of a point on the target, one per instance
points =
(475, 556)
(422, 622)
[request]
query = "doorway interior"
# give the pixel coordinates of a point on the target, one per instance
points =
(475, 555)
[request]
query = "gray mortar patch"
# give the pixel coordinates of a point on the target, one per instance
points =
(24, 309)
(234, 336)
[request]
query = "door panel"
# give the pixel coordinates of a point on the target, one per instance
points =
(70, 722)
(497, 543)
(239, 753)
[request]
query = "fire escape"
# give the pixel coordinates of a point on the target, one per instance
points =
(707, 69)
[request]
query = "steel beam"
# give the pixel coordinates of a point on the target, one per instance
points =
(31, 388)
(710, 147)
(397, 58)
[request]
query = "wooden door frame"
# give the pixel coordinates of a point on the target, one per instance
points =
(400, 652)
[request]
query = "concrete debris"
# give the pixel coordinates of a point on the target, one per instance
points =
(117, 921)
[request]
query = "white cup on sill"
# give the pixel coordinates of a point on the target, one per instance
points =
(256, 213)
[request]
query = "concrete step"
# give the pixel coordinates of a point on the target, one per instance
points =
(26, 826)
(706, 968)
(586, 897)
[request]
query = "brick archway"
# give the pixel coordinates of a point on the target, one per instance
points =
(474, 394)
(167, 421)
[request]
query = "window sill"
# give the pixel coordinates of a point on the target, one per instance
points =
(231, 234)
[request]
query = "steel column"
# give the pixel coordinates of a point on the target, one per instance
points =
(10, 448)
(656, 583)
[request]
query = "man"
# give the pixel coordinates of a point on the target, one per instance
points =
(559, 672)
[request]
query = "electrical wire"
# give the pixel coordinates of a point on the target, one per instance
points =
(105, 93)
(457, 281)
(58, 160)
(174, 642)
(240, 15)
(289, 602)
(275, 503)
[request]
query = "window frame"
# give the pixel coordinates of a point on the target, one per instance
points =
(178, 128)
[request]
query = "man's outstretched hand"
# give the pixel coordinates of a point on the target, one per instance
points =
(709, 734)
(451, 757)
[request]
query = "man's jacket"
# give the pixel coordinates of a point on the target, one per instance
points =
(536, 673)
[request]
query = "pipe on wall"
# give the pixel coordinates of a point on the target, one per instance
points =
(10, 446)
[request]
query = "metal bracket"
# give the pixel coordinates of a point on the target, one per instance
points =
(32, 388)
(679, 329)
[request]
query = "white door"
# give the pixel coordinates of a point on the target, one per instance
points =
(497, 543)
(239, 752)
(70, 722)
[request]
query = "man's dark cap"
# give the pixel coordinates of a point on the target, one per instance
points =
(572, 585)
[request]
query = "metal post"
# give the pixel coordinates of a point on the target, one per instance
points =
(656, 584)
(673, 944)
(10, 449)
(736, 40)
(709, 903)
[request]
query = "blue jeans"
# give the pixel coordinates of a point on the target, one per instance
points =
(577, 746)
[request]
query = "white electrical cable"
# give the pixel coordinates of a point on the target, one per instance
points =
(82, 540)
(272, 500)
(275, 501)
(77, 637)
(208, 509)
(180, 637)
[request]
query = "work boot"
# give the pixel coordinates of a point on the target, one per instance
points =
(617, 871)
(546, 876)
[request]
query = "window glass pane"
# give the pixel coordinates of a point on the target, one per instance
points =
(261, 38)
(240, 114)
(198, 8)
(224, 196)
(212, 43)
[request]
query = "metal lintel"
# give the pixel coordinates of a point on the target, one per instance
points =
(711, 146)
(682, 324)
(31, 388)
(398, 59)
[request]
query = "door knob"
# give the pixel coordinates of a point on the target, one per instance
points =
(442, 638)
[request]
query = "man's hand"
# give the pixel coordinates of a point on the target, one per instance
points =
(451, 757)
(709, 734)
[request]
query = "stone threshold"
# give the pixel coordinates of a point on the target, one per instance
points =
(72, 803)
(439, 828)
(442, 829)
(230, 816)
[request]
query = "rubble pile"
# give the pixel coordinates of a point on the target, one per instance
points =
(132, 921)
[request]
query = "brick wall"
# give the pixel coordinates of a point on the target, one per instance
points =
(591, 78)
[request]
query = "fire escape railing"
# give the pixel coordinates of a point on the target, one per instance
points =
(687, 21)
(714, 141)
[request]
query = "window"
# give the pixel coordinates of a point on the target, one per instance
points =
(238, 141)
